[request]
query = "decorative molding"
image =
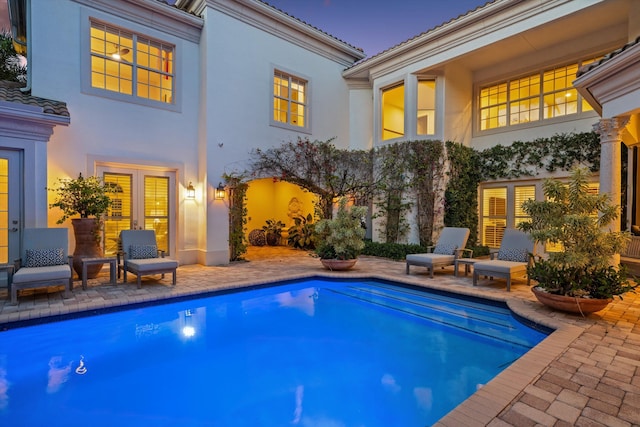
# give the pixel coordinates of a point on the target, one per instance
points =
(610, 130)
(154, 14)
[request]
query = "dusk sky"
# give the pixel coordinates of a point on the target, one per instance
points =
(375, 25)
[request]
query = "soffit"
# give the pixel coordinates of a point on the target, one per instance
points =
(499, 32)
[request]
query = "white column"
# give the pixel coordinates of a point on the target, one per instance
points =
(610, 131)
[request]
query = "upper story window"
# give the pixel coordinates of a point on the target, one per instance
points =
(539, 96)
(130, 64)
(426, 111)
(290, 100)
(393, 112)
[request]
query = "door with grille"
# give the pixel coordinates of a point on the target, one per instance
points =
(143, 199)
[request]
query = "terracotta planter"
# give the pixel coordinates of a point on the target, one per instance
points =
(338, 264)
(87, 246)
(570, 304)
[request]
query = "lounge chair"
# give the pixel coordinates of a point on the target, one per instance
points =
(44, 261)
(450, 246)
(515, 254)
(142, 257)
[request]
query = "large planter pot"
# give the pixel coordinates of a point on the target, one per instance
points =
(85, 231)
(570, 304)
(338, 264)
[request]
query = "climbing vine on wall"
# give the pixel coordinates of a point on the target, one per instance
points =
(461, 194)
(238, 187)
(559, 152)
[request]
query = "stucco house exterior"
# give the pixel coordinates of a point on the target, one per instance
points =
(156, 96)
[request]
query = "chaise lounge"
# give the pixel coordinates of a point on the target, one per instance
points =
(513, 257)
(450, 246)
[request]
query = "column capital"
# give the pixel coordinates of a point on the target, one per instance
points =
(610, 130)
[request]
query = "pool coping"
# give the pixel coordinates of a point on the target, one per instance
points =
(479, 409)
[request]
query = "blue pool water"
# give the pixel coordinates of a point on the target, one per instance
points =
(309, 353)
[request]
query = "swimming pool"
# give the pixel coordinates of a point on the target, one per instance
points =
(311, 353)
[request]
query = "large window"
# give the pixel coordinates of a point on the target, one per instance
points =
(130, 64)
(426, 111)
(393, 112)
(290, 100)
(522, 100)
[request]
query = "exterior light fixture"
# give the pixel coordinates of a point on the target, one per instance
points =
(220, 192)
(191, 191)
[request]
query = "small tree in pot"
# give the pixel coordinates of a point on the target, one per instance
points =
(87, 197)
(576, 218)
(342, 238)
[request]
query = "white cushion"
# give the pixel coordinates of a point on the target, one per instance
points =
(430, 259)
(150, 264)
(498, 266)
(36, 274)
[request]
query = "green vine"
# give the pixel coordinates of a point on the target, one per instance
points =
(461, 195)
(559, 152)
(237, 215)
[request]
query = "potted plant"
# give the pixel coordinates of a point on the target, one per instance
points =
(580, 276)
(340, 240)
(273, 231)
(88, 198)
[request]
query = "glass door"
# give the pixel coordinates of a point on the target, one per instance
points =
(143, 199)
(10, 212)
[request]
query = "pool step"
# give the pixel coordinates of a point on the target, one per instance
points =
(476, 317)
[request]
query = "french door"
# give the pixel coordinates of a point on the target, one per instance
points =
(10, 214)
(144, 200)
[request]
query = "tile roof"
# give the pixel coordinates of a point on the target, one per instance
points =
(607, 57)
(311, 26)
(426, 32)
(10, 92)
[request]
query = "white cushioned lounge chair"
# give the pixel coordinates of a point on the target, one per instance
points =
(44, 261)
(142, 257)
(513, 257)
(450, 246)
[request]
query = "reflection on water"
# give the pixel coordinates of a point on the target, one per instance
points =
(4, 384)
(303, 300)
(58, 373)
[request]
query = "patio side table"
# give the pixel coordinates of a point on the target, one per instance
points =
(100, 260)
(467, 262)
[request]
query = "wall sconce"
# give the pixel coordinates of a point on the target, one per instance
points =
(191, 191)
(220, 192)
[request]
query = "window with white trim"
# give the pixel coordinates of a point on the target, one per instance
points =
(393, 112)
(522, 100)
(131, 64)
(290, 100)
(426, 109)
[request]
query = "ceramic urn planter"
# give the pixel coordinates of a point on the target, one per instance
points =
(87, 245)
(570, 304)
(338, 264)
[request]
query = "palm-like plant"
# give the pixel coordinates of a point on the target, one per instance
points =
(577, 219)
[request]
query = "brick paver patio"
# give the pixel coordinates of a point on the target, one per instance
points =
(587, 373)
